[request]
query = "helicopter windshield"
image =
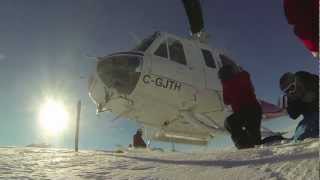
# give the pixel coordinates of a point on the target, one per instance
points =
(144, 44)
(120, 72)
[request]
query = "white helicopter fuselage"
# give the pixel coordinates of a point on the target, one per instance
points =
(177, 94)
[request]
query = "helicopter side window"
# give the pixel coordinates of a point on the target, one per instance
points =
(176, 51)
(162, 50)
(208, 58)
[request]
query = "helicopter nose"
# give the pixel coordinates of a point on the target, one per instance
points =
(120, 72)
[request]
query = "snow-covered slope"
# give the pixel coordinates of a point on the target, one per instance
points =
(298, 161)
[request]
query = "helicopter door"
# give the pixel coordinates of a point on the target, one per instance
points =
(169, 60)
(211, 69)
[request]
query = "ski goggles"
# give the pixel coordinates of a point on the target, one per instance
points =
(291, 88)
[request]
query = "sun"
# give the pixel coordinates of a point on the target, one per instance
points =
(53, 116)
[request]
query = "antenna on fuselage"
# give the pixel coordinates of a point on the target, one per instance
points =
(195, 18)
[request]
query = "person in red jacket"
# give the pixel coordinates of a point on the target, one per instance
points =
(138, 142)
(303, 15)
(238, 91)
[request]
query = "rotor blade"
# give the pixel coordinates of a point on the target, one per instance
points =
(194, 13)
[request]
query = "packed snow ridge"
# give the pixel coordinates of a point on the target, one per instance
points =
(287, 161)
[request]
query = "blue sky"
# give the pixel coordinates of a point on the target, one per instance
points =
(45, 44)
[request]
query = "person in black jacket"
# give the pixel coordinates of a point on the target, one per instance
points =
(302, 91)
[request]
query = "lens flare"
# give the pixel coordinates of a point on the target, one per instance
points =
(53, 117)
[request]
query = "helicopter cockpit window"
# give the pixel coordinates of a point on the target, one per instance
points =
(120, 72)
(208, 58)
(176, 51)
(162, 50)
(144, 45)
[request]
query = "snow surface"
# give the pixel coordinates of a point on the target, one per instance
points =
(288, 161)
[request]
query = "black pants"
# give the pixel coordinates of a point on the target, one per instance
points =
(244, 127)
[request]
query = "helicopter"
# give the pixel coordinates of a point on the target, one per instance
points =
(168, 84)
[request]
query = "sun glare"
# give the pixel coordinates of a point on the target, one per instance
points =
(53, 117)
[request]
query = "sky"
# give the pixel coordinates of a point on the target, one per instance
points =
(47, 49)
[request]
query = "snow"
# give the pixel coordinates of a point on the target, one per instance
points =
(287, 161)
